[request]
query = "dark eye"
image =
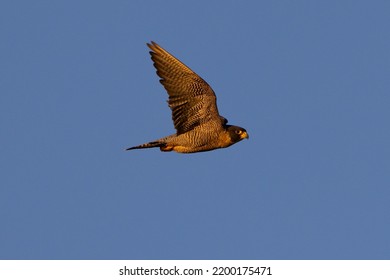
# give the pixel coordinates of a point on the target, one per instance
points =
(238, 132)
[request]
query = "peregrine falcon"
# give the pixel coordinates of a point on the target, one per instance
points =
(199, 127)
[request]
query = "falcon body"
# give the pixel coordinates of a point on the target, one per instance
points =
(199, 127)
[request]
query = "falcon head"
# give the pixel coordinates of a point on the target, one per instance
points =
(237, 133)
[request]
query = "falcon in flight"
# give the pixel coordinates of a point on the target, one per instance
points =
(199, 127)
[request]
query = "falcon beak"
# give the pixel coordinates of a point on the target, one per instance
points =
(245, 135)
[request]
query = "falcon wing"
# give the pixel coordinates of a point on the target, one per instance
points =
(191, 99)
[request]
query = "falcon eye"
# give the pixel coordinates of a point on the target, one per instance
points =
(238, 132)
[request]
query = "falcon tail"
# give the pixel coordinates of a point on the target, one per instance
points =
(153, 144)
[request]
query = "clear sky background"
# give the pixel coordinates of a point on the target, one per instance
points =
(309, 80)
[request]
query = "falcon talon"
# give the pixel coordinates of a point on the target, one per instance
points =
(199, 127)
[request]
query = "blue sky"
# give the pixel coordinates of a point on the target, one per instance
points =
(309, 80)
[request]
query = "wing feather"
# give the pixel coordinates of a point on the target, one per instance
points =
(191, 99)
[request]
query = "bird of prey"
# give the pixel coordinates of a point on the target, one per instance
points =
(199, 127)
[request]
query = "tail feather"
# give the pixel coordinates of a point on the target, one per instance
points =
(153, 144)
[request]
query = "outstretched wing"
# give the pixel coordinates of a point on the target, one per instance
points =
(191, 99)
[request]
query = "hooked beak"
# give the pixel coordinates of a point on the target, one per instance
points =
(245, 135)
